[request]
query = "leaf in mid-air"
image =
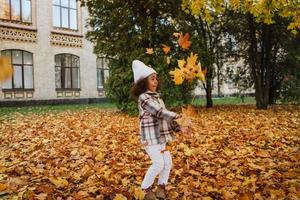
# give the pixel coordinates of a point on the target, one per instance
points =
(177, 76)
(6, 70)
(183, 41)
(166, 49)
(181, 63)
(149, 51)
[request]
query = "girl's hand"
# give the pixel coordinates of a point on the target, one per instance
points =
(178, 116)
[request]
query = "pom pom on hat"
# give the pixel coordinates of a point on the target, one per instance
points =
(141, 71)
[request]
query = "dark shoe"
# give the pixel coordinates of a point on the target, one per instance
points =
(161, 192)
(149, 194)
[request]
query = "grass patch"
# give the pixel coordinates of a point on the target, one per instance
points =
(8, 111)
(226, 101)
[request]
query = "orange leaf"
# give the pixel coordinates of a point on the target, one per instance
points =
(183, 41)
(3, 187)
(166, 48)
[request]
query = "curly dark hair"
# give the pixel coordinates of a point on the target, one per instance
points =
(140, 87)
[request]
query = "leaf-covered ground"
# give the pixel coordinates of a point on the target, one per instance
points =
(236, 152)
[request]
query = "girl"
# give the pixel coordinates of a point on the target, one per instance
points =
(156, 128)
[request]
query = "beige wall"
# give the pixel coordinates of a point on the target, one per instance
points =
(43, 53)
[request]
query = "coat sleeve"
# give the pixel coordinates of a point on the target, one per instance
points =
(154, 108)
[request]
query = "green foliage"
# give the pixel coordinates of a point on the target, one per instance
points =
(290, 73)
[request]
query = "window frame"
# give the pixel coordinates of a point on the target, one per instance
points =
(21, 13)
(22, 65)
(60, 15)
(62, 72)
(102, 68)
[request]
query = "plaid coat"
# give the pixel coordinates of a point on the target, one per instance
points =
(156, 122)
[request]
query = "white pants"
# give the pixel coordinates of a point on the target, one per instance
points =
(161, 165)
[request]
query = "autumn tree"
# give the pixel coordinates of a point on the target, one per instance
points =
(261, 20)
(122, 30)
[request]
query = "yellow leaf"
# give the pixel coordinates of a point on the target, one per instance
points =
(200, 75)
(3, 169)
(120, 197)
(166, 49)
(99, 156)
(59, 182)
(177, 76)
(125, 182)
(250, 180)
(176, 34)
(139, 194)
(6, 70)
(192, 59)
(181, 63)
(149, 51)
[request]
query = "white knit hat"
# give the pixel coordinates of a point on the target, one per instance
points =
(140, 70)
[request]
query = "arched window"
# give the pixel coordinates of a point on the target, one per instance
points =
(102, 72)
(64, 13)
(16, 10)
(22, 62)
(67, 71)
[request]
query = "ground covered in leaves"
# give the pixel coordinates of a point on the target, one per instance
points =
(236, 152)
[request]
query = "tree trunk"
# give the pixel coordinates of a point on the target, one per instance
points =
(209, 102)
(260, 63)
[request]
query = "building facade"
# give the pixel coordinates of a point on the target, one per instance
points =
(51, 58)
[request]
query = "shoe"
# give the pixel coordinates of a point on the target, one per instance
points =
(161, 192)
(149, 194)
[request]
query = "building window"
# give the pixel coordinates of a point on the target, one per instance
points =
(102, 72)
(67, 71)
(16, 10)
(22, 62)
(65, 14)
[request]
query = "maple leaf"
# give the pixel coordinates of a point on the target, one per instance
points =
(149, 51)
(192, 59)
(166, 49)
(199, 74)
(177, 76)
(6, 70)
(181, 63)
(183, 41)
